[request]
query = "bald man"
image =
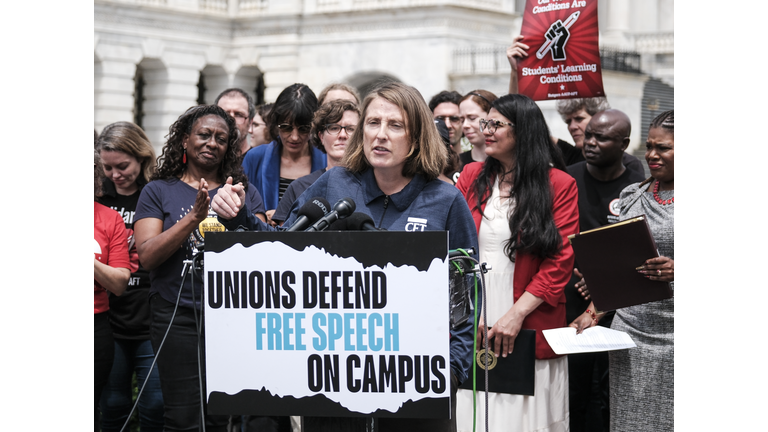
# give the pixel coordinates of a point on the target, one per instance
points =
(605, 139)
(600, 179)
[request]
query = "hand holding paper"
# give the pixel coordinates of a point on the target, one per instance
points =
(594, 339)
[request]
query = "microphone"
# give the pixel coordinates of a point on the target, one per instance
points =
(343, 208)
(339, 225)
(360, 222)
(310, 212)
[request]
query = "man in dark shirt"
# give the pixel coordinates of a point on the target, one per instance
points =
(445, 107)
(239, 104)
(600, 179)
(577, 113)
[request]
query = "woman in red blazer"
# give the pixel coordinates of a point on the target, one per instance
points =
(524, 206)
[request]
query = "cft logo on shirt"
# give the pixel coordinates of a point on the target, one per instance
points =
(415, 224)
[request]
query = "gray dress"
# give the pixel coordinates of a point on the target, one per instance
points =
(642, 378)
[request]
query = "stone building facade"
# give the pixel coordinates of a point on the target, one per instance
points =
(153, 59)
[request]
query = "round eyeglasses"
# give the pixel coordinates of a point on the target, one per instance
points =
(335, 129)
(492, 125)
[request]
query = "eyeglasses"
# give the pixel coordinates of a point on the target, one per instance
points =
(239, 117)
(453, 119)
(335, 129)
(303, 129)
(492, 125)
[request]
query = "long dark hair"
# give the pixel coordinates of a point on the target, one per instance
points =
(532, 222)
(170, 165)
(296, 104)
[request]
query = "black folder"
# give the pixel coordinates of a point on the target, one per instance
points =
(513, 374)
(608, 257)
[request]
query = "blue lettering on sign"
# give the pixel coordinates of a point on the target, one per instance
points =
(332, 331)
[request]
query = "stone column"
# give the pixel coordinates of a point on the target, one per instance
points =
(216, 81)
(280, 69)
(170, 89)
(232, 7)
(246, 79)
(113, 84)
(615, 34)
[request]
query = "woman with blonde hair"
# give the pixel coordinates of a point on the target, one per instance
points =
(128, 162)
(472, 107)
(338, 91)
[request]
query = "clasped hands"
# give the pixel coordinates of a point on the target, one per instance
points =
(229, 199)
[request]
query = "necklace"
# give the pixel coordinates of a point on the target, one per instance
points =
(656, 195)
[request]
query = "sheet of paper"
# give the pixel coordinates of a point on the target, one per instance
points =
(594, 339)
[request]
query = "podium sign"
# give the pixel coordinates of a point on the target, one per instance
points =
(345, 323)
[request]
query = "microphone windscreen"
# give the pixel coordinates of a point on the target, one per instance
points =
(338, 225)
(344, 207)
(315, 208)
(357, 220)
(444, 133)
(312, 211)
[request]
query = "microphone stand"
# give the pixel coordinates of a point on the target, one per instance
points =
(189, 266)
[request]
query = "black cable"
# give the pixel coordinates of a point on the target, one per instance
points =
(199, 331)
(480, 269)
(157, 354)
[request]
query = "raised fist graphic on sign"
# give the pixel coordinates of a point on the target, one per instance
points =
(557, 36)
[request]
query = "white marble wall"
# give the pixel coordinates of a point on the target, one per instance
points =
(174, 41)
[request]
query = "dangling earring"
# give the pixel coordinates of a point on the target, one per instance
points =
(184, 159)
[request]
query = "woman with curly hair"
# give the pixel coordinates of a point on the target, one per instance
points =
(199, 156)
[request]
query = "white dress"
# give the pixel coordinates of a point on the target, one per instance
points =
(548, 409)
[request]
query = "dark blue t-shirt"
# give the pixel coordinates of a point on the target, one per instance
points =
(170, 200)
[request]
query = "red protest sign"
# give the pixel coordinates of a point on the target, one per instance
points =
(564, 61)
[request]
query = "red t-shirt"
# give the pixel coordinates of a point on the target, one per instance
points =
(110, 247)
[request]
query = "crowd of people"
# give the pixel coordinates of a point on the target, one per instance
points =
(515, 196)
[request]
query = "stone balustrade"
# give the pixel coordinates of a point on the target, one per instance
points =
(247, 8)
(654, 43)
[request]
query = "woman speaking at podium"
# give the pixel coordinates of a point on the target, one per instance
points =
(390, 170)
(524, 206)
(199, 154)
